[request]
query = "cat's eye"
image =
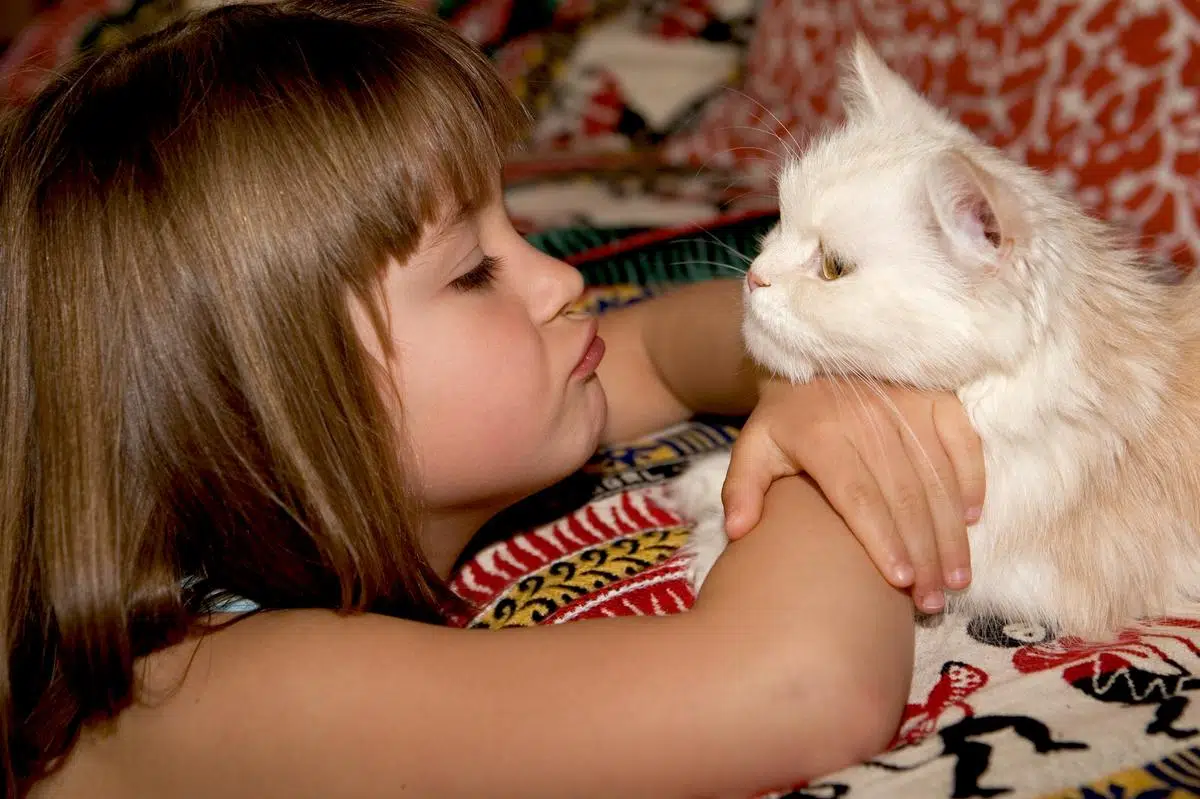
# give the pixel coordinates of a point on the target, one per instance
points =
(833, 265)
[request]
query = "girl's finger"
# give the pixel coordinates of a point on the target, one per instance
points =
(888, 459)
(853, 492)
(965, 451)
(754, 463)
(932, 464)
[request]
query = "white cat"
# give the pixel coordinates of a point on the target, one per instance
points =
(909, 251)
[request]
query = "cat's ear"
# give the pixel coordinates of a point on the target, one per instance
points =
(977, 214)
(870, 89)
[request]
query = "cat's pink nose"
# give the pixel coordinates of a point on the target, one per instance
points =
(753, 281)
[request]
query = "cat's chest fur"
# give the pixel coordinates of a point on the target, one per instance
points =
(1036, 464)
(1044, 435)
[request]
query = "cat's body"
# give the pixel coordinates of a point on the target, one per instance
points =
(955, 269)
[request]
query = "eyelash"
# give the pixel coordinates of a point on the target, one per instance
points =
(481, 277)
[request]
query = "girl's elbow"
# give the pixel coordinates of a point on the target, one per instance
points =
(845, 714)
(871, 716)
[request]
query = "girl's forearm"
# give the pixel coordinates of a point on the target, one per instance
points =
(674, 356)
(694, 340)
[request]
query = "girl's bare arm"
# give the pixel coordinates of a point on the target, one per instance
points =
(794, 662)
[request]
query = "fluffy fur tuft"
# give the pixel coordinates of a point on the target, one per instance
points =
(1079, 366)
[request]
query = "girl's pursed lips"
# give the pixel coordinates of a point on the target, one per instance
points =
(592, 353)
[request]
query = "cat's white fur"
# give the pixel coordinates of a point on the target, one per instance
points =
(1079, 367)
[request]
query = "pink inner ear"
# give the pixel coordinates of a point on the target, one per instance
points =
(979, 217)
(976, 218)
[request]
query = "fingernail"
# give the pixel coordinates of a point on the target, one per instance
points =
(959, 578)
(933, 602)
(902, 574)
(974, 514)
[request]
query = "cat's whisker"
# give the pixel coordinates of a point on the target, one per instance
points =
(704, 164)
(773, 156)
(775, 160)
(841, 396)
(730, 267)
(877, 391)
(906, 430)
(757, 195)
(723, 245)
(751, 148)
(797, 148)
(733, 181)
(849, 382)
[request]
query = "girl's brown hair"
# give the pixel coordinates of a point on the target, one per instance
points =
(184, 406)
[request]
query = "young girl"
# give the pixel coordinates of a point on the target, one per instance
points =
(270, 335)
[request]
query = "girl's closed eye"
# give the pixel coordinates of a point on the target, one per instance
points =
(482, 276)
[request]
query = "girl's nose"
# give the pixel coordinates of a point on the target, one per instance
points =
(557, 287)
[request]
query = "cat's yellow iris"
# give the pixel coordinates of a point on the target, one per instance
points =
(833, 265)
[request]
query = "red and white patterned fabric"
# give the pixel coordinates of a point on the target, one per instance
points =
(1103, 94)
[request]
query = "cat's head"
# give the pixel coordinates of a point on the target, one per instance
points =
(900, 248)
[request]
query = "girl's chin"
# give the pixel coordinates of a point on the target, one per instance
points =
(595, 419)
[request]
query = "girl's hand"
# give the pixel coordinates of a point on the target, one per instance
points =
(904, 468)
